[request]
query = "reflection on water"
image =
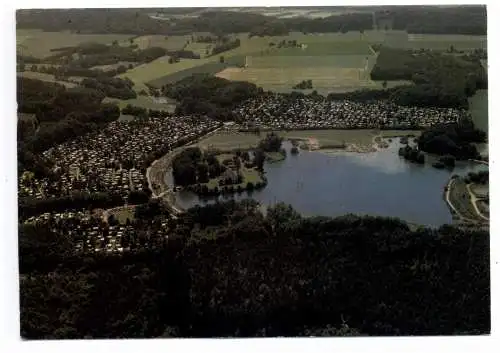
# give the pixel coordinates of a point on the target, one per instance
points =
(331, 184)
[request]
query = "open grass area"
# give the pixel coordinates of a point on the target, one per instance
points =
(460, 199)
(211, 67)
(45, 77)
(334, 137)
(145, 102)
(160, 71)
(273, 157)
(444, 41)
(335, 62)
(325, 79)
(199, 48)
(229, 141)
(356, 47)
(478, 107)
(479, 190)
(39, 43)
(122, 214)
(162, 41)
(114, 66)
(484, 207)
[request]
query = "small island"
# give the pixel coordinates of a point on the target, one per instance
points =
(213, 172)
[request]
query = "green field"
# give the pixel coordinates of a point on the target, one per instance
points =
(210, 67)
(38, 43)
(113, 66)
(347, 50)
(144, 102)
(158, 71)
(478, 107)
(199, 48)
(167, 42)
(228, 141)
(45, 77)
(335, 62)
(326, 48)
(444, 41)
(122, 214)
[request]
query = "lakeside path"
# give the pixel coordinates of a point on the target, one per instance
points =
(474, 201)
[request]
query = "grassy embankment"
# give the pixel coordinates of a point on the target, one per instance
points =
(327, 139)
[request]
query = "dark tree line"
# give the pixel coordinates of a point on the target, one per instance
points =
(63, 72)
(481, 177)
(412, 154)
(228, 270)
(176, 55)
(192, 166)
(113, 54)
(440, 80)
(271, 143)
(415, 19)
(222, 47)
(31, 207)
(61, 113)
(305, 84)
(432, 19)
(111, 87)
(208, 95)
(456, 140)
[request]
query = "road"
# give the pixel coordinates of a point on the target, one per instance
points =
(163, 163)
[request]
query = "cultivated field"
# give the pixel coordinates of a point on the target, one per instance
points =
(210, 67)
(328, 73)
(38, 43)
(324, 79)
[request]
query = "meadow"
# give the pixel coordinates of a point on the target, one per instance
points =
(445, 41)
(144, 102)
(227, 141)
(478, 107)
(167, 42)
(45, 77)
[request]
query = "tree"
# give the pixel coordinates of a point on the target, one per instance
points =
(280, 215)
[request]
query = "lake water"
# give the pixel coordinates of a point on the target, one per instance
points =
(332, 184)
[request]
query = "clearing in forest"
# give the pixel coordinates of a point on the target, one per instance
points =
(39, 44)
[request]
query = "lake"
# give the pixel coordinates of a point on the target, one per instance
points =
(335, 183)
